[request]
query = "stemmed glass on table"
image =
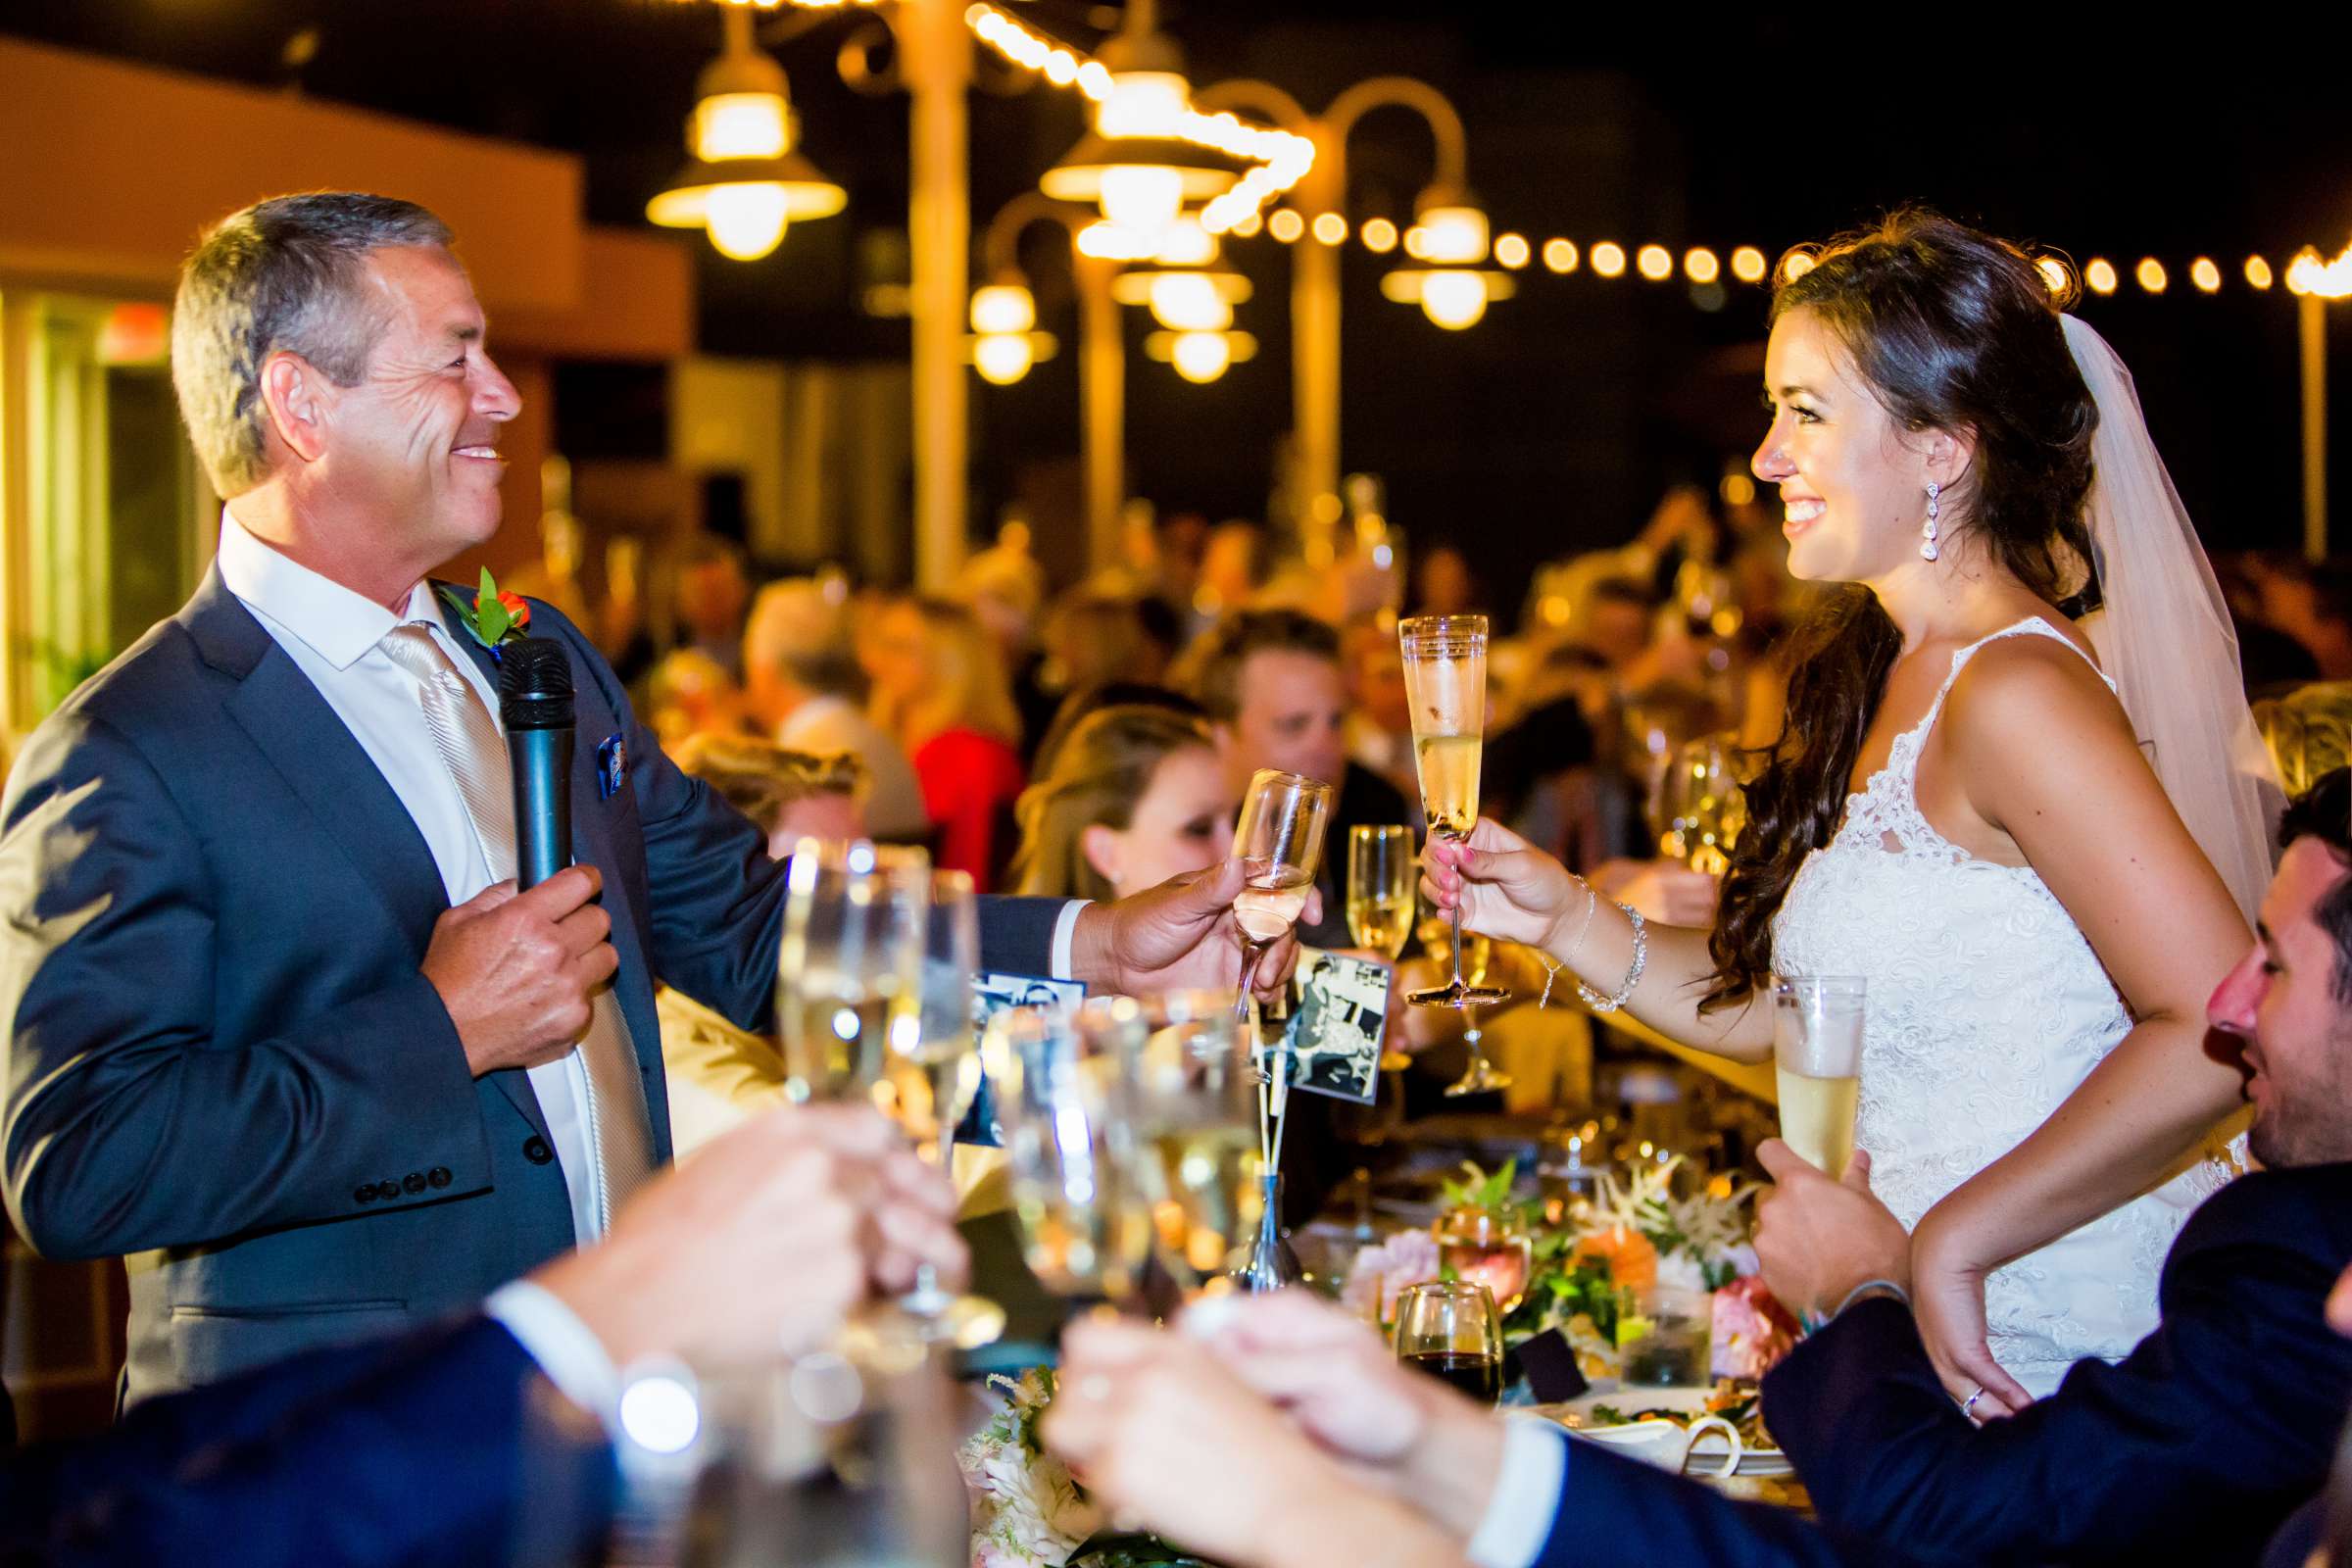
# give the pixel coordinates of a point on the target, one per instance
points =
(1451, 1330)
(1446, 682)
(1280, 841)
(874, 998)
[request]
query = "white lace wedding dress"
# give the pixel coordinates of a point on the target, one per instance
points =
(1986, 1007)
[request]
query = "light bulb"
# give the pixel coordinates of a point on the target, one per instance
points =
(1187, 243)
(1143, 103)
(740, 125)
(747, 219)
(1143, 198)
(1201, 355)
(1454, 300)
(1003, 359)
(1189, 302)
(1454, 236)
(1002, 308)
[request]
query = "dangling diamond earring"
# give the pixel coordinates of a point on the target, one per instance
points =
(1927, 535)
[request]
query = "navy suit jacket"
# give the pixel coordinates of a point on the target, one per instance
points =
(222, 1055)
(1615, 1510)
(435, 1449)
(2194, 1448)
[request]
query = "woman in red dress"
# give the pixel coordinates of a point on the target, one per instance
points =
(939, 687)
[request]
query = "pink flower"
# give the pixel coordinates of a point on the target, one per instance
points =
(1752, 1330)
(1380, 1274)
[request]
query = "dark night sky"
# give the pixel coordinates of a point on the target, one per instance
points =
(1559, 417)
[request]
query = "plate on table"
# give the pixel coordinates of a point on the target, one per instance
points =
(1653, 1420)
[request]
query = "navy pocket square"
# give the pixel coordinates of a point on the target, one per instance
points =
(612, 764)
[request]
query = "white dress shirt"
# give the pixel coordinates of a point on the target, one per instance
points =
(1519, 1515)
(334, 636)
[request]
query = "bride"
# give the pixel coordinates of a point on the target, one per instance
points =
(1962, 809)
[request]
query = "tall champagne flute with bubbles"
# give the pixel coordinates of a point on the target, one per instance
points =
(1280, 841)
(1445, 681)
(851, 962)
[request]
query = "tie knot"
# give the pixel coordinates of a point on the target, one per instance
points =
(411, 646)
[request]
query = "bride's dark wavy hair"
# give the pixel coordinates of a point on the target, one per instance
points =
(1951, 329)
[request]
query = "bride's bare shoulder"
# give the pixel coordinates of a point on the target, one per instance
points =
(2035, 689)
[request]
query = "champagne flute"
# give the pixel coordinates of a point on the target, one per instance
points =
(1449, 1329)
(1712, 806)
(1817, 1065)
(1280, 840)
(1445, 681)
(932, 1075)
(1472, 958)
(851, 962)
(1186, 1102)
(1380, 876)
(1086, 1232)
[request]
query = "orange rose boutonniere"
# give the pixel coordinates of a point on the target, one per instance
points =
(495, 617)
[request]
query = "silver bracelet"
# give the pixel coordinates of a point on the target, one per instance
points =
(1584, 927)
(1870, 1288)
(1600, 1003)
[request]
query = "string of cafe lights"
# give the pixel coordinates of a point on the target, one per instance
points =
(1703, 265)
(1280, 158)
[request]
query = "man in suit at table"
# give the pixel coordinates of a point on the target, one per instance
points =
(2205, 1445)
(277, 1020)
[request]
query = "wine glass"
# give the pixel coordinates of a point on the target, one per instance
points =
(1449, 1329)
(1382, 871)
(1186, 1103)
(1086, 1232)
(1445, 681)
(1817, 1065)
(931, 1075)
(1470, 956)
(1702, 805)
(850, 963)
(1280, 840)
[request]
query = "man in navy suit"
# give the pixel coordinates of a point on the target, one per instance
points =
(2196, 1448)
(484, 1439)
(276, 1020)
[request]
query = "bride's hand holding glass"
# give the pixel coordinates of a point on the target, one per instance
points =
(1506, 887)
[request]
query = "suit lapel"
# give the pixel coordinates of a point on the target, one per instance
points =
(327, 768)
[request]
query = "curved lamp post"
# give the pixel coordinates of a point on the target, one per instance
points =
(1446, 216)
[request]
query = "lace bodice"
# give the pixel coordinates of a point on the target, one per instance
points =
(1986, 1008)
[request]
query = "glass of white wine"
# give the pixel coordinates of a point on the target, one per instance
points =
(850, 963)
(1382, 874)
(931, 1077)
(1445, 681)
(1086, 1232)
(1817, 1065)
(1187, 1115)
(1280, 840)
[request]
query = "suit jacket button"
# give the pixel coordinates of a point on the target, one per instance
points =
(413, 1183)
(365, 1193)
(438, 1176)
(389, 1188)
(535, 1149)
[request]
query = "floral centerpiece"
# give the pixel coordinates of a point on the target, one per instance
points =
(1637, 1233)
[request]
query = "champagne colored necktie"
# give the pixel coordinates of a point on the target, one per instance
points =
(476, 754)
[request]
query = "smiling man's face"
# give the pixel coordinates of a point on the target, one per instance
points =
(413, 447)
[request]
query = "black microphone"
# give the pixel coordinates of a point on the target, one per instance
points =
(534, 701)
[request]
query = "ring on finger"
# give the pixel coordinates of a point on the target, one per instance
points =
(1968, 1406)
